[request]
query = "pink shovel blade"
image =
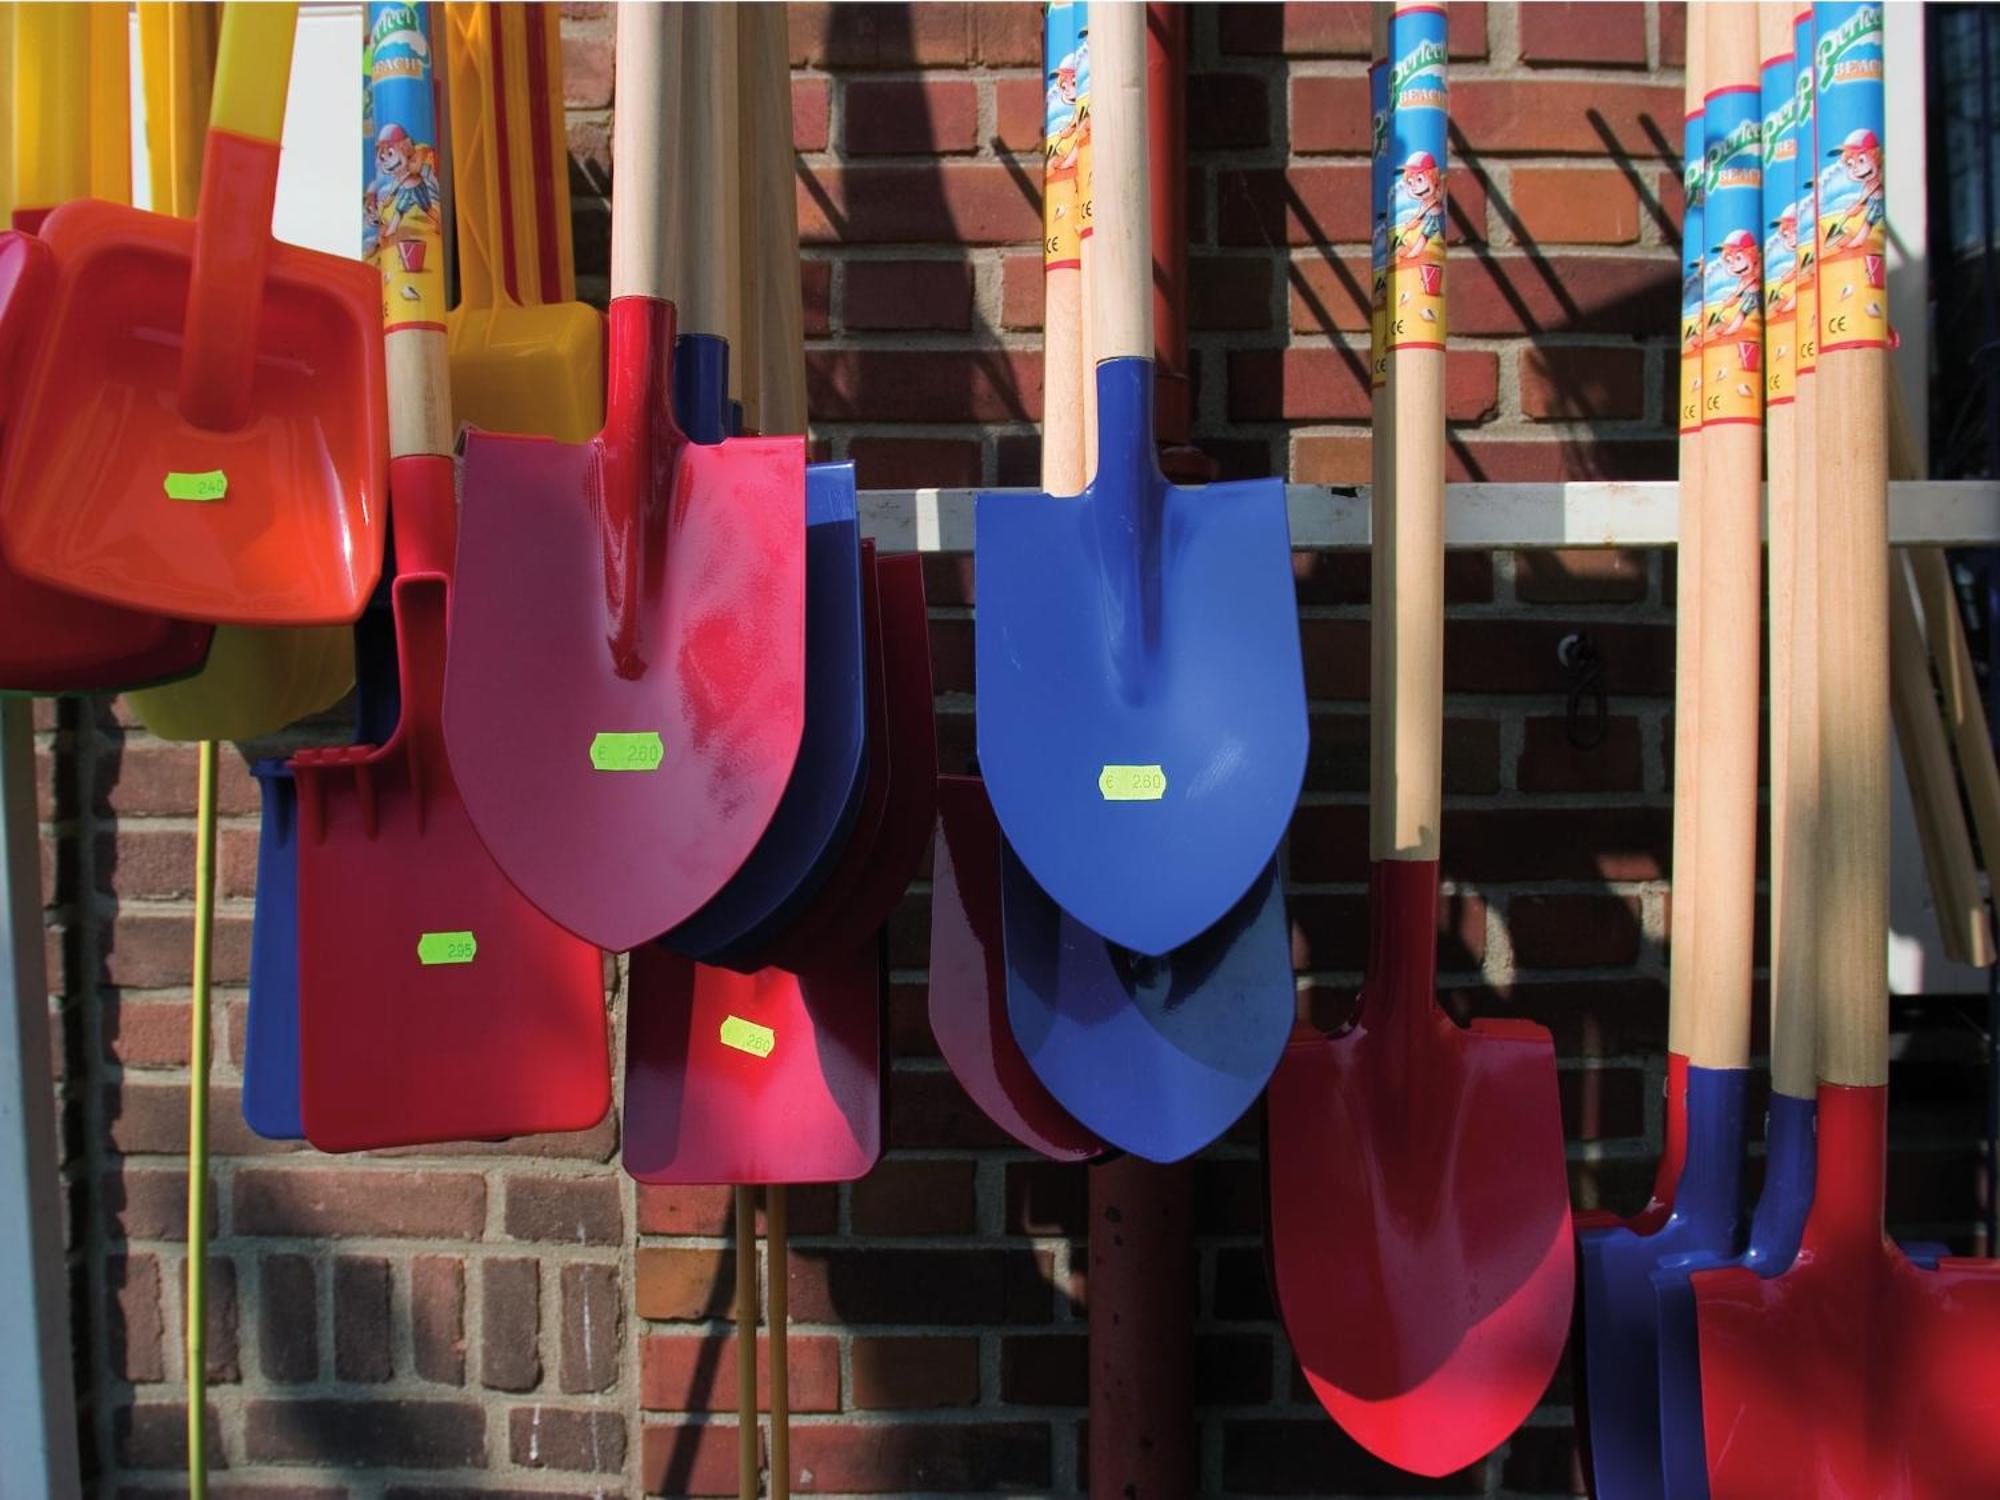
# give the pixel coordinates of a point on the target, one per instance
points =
(768, 1077)
(1419, 1207)
(1856, 1375)
(626, 688)
(968, 985)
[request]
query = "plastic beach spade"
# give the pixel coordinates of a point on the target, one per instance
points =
(1142, 721)
(436, 1003)
(52, 641)
(1418, 1198)
(968, 982)
(229, 464)
(626, 687)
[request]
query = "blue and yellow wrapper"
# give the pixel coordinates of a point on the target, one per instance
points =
(402, 216)
(1853, 222)
(1418, 102)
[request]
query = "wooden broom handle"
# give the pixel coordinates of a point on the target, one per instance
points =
(646, 200)
(1408, 574)
(1122, 290)
(1726, 812)
(709, 276)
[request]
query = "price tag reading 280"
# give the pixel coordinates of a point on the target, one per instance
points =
(1132, 783)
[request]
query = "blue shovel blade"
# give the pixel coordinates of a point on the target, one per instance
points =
(1141, 705)
(271, 1031)
(1776, 1228)
(1155, 1055)
(809, 829)
(1620, 1308)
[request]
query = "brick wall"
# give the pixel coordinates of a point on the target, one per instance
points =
(519, 1319)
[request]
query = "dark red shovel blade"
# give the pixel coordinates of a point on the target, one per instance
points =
(51, 641)
(1419, 1207)
(870, 882)
(435, 1003)
(968, 984)
(1855, 1375)
(626, 688)
(765, 1077)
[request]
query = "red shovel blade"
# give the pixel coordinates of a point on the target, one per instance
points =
(1855, 1375)
(968, 985)
(765, 1077)
(52, 641)
(626, 688)
(435, 1003)
(1419, 1207)
(870, 881)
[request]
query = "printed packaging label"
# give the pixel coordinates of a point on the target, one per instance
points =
(1692, 139)
(1853, 228)
(402, 223)
(1065, 136)
(1805, 182)
(1378, 221)
(1732, 301)
(1781, 237)
(1416, 182)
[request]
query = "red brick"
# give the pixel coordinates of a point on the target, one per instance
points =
(708, 1211)
(908, 294)
(1018, 113)
(920, 1288)
(1229, 293)
(593, 1328)
(575, 1442)
(510, 1356)
(1580, 931)
(811, 109)
(1232, 1369)
(142, 1032)
(1550, 763)
(1559, 118)
(914, 1197)
(982, 1456)
(1580, 575)
(1316, 384)
(1298, 1456)
(373, 1434)
(588, 76)
(569, 1210)
(351, 1201)
(1330, 114)
(1504, 461)
(1044, 1370)
(1229, 111)
(1548, 1460)
(1007, 34)
(153, 1435)
(1047, 1199)
(288, 1319)
(880, 36)
(915, 1374)
(1604, 34)
(949, 203)
(897, 117)
(1339, 459)
(1603, 1104)
(1324, 203)
(149, 777)
(1673, 34)
(1572, 205)
(884, 463)
(697, 1372)
(684, 1285)
(1332, 30)
(137, 1326)
(1021, 291)
(1587, 384)
(941, 385)
(1330, 931)
(816, 293)
(437, 1318)
(361, 1319)
(678, 1458)
(150, 951)
(151, 1119)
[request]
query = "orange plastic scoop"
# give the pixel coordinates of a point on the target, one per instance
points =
(201, 431)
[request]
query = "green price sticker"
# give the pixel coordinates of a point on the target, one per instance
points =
(748, 1036)
(447, 948)
(1132, 783)
(210, 484)
(627, 752)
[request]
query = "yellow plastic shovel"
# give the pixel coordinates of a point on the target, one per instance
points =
(526, 356)
(256, 680)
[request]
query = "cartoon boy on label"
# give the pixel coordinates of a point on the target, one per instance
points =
(405, 193)
(1420, 224)
(1781, 272)
(1851, 192)
(1738, 260)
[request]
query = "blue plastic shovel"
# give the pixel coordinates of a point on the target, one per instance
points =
(1142, 711)
(271, 1036)
(1155, 1055)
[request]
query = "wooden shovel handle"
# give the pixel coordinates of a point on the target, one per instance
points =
(745, 1199)
(415, 354)
(1122, 273)
(646, 198)
(773, 353)
(1064, 369)
(1962, 708)
(1730, 588)
(709, 277)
